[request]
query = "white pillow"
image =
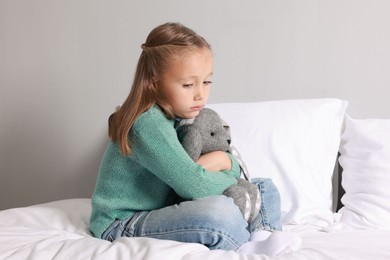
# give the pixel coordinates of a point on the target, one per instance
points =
(365, 159)
(293, 142)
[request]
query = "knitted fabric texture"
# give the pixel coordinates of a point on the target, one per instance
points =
(148, 179)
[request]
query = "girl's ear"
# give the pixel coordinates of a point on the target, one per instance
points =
(155, 84)
(154, 80)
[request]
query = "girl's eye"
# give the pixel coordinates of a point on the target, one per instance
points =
(208, 82)
(187, 85)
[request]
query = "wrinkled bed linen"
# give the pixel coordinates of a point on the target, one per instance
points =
(59, 230)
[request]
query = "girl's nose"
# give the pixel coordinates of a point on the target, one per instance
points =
(199, 93)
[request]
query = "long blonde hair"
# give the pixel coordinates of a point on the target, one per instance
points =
(163, 44)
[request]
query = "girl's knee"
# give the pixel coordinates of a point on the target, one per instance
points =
(220, 208)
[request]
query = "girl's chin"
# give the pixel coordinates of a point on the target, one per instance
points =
(189, 115)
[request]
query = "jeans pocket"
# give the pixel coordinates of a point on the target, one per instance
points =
(126, 227)
(130, 224)
(114, 231)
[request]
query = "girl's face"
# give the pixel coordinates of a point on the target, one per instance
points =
(186, 83)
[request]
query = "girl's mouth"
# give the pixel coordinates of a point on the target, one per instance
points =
(197, 108)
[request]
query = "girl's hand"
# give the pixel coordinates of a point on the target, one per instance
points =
(215, 161)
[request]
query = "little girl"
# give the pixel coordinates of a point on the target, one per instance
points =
(145, 167)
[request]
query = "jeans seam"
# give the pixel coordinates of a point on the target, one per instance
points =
(264, 224)
(263, 210)
(159, 233)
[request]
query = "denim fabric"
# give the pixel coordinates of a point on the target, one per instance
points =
(212, 221)
(269, 217)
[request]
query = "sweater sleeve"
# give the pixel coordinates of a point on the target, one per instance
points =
(156, 147)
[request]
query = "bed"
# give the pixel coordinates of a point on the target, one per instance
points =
(297, 143)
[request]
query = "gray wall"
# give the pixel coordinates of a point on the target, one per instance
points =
(66, 64)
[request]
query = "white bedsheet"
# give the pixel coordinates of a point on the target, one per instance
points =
(59, 230)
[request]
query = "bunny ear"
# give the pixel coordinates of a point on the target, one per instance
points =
(192, 143)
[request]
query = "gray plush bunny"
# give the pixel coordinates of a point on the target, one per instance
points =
(207, 133)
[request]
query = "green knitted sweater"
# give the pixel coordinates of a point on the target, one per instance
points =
(147, 179)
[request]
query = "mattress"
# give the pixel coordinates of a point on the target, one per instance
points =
(59, 230)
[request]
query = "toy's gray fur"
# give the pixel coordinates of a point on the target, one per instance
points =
(207, 133)
(248, 207)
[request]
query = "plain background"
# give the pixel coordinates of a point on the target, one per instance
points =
(66, 64)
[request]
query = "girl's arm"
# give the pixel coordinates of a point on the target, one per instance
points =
(215, 161)
(156, 147)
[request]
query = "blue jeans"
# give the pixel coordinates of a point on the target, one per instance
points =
(214, 221)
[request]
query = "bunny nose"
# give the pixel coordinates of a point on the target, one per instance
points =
(228, 141)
